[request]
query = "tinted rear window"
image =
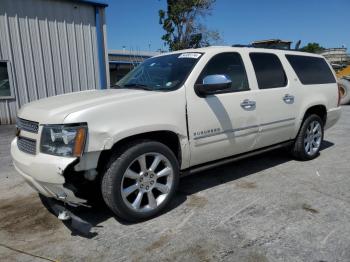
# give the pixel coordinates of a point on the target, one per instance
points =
(311, 70)
(269, 71)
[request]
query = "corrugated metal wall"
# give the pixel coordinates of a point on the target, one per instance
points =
(52, 49)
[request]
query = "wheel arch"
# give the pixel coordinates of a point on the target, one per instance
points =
(166, 137)
(319, 110)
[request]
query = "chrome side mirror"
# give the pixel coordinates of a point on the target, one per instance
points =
(213, 84)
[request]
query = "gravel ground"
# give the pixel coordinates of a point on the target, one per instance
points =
(266, 208)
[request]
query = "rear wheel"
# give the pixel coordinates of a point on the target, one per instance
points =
(308, 142)
(140, 181)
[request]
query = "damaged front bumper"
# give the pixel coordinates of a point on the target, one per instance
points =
(74, 222)
(45, 173)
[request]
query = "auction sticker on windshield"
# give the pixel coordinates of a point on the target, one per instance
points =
(190, 55)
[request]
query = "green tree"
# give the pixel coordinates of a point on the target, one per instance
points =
(182, 25)
(312, 48)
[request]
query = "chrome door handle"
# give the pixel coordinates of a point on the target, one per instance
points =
(248, 104)
(288, 99)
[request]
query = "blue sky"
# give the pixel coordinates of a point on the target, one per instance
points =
(135, 24)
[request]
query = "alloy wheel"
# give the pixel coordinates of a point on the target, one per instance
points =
(313, 138)
(147, 182)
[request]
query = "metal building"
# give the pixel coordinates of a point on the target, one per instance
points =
(50, 47)
(336, 55)
(122, 61)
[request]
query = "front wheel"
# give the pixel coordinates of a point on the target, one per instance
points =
(308, 142)
(140, 181)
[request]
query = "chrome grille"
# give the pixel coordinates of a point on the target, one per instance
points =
(26, 145)
(27, 125)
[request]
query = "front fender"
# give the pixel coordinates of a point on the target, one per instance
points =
(114, 138)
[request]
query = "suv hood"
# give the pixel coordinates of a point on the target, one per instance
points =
(54, 110)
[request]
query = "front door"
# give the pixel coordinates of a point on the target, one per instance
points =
(222, 124)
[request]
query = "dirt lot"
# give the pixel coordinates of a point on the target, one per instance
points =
(267, 208)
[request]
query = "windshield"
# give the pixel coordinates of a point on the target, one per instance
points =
(163, 73)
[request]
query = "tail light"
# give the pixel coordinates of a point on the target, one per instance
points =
(341, 92)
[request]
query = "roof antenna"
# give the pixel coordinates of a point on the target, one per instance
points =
(297, 45)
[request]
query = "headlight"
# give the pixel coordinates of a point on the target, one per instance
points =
(63, 140)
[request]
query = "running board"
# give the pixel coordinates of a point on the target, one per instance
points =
(234, 158)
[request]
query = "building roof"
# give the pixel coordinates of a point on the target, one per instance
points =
(94, 2)
(271, 41)
(132, 53)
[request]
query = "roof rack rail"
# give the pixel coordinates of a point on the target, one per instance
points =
(263, 47)
(276, 44)
(240, 45)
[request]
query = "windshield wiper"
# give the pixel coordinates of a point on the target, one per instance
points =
(115, 86)
(139, 86)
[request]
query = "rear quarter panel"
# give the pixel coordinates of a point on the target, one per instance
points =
(312, 95)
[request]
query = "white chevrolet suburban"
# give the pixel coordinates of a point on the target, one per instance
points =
(175, 113)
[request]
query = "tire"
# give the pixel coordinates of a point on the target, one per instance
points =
(300, 150)
(130, 180)
(345, 85)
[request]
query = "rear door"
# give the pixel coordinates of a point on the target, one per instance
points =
(219, 124)
(275, 102)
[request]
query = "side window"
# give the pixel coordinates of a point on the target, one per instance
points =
(268, 70)
(229, 64)
(311, 70)
(5, 90)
